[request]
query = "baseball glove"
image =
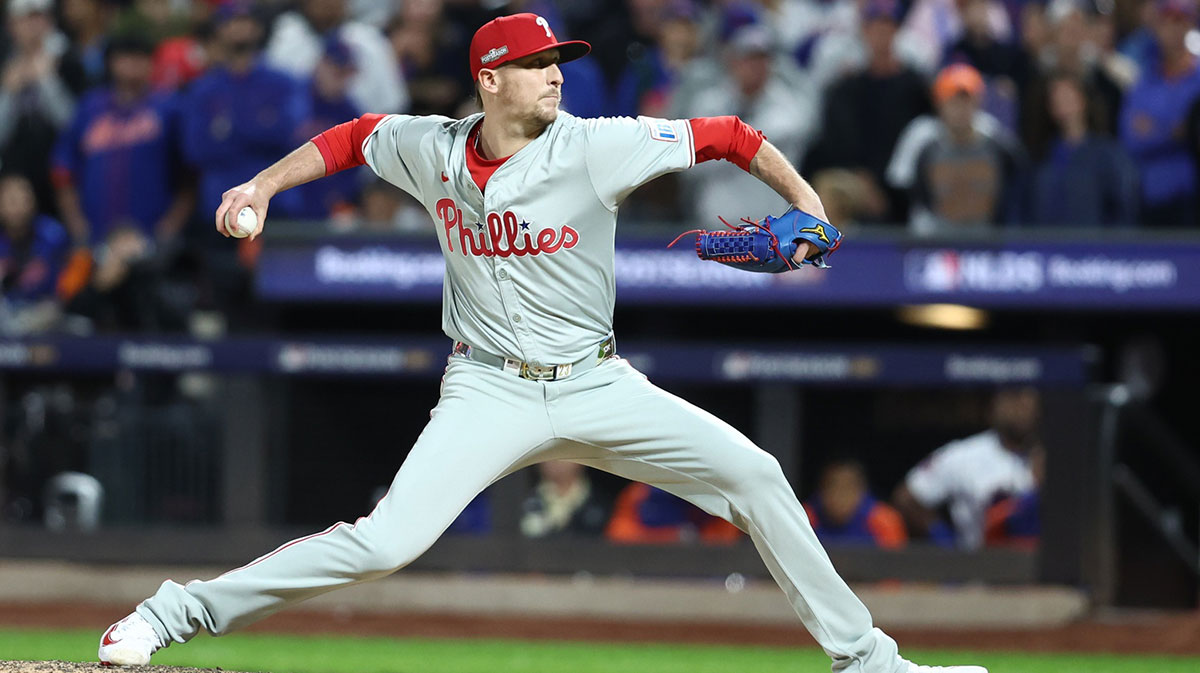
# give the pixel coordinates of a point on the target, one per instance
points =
(767, 246)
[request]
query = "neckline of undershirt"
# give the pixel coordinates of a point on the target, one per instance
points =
(481, 169)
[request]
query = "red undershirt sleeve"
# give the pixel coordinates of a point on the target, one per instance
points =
(341, 146)
(727, 138)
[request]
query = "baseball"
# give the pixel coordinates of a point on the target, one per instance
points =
(247, 222)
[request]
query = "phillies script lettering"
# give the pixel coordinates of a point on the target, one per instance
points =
(504, 233)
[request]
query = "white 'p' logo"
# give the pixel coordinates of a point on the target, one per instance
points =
(546, 26)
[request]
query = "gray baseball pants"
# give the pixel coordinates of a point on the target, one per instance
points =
(489, 423)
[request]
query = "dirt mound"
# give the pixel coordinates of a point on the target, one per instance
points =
(74, 667)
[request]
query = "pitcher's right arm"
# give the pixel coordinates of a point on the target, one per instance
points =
(329, 152)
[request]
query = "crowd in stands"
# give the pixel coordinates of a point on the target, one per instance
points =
(127, 119)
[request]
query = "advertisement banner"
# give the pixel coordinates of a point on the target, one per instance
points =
(1054, 275)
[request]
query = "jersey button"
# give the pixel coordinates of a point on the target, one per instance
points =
(516, 317)
(503, 274)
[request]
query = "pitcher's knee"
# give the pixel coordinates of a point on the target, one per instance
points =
(757, 472)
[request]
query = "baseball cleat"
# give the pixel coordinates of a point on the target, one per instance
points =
(129, 642)
(913, 668)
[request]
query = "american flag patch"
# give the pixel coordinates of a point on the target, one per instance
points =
(661, 130)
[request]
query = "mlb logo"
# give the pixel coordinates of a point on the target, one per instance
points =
(662, 130)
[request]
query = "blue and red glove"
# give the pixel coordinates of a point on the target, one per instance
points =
(768, 246)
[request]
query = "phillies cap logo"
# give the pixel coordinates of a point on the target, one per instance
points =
(493, 54)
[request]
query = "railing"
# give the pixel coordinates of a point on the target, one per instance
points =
(1123, 416)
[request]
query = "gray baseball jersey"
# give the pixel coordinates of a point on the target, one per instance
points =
(529, 275)
(529, 262)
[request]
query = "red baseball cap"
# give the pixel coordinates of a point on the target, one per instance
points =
(509, 38)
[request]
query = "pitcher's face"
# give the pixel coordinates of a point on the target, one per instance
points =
(530, 88)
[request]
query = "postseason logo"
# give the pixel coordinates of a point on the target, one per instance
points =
(493, 54)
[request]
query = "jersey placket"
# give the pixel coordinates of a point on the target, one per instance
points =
(494, 201)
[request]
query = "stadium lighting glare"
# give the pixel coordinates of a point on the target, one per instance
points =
(944, 316)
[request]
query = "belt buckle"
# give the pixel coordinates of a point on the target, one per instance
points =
(536, 373)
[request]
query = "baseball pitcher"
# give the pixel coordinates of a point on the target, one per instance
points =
(524, 201)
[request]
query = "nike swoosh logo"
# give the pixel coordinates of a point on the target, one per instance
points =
(107, 639)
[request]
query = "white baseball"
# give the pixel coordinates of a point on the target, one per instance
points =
(247, 222)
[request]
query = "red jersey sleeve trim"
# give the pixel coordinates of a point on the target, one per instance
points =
(727, 138)
(341, 146)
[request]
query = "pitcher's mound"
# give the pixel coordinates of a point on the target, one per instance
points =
(74, 667)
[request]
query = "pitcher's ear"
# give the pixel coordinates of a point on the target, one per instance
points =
(488, 81)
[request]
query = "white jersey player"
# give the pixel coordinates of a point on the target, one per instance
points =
(524, 200)
(969, 475)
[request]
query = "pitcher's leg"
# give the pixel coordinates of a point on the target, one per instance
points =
(663, 440)
(471, 440)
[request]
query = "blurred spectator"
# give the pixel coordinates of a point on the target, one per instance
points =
(177, 61)
(381, 203)
(843, 511)
(156, 19)
(937, 24)
(118, 163)
(962, 179)
(179, 57)
(563, 503)
(1084, 179)
(1035, 33)
(1102, 36)
(38, 84)
(373, 12)
(329, 106)
(1003, 64)
(648, 515)
(87, 23)
(1138, 41)
(1153, 121)
(799, 25)
(846, 197)
(616, 29)
(969, 475)
(646, 86)
(241, 115)
(386, 209)
(432, 53)
(1071, 50)
(127, 291)
(767, 93)
(33, 250)
(845, 47)
(865, 113)
(297, 41)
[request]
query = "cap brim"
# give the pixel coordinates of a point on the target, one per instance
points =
(567, 51)
(571, 50)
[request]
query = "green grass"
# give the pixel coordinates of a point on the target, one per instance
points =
(334, 654)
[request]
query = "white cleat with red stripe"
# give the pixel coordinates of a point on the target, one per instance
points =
(129, 642)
